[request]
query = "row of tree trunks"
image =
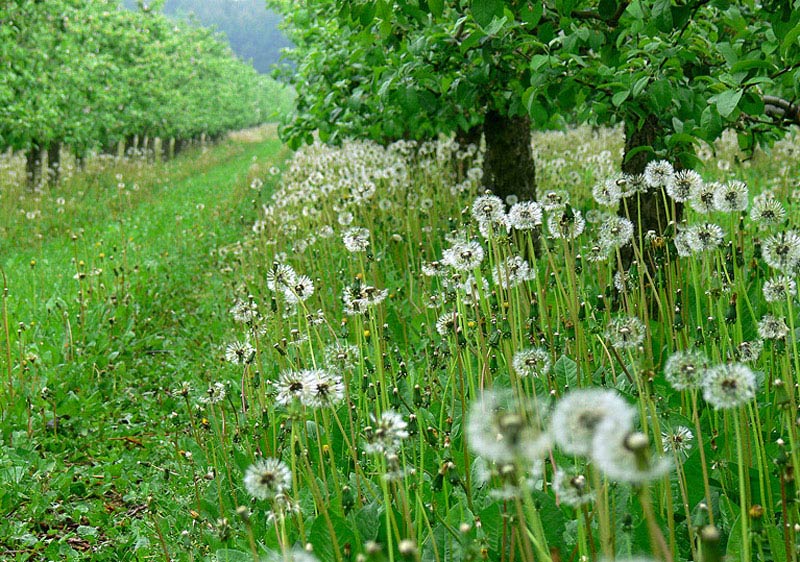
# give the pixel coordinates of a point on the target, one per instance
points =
(42, 165)
(43, 162)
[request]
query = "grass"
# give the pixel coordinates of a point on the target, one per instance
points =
(88, 449)
(169, 398)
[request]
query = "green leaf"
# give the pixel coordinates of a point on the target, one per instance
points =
(790, 39)
(607, 8)
(634, 151)
(744, 65)
(532, 13)
(680, 138)
(231, 555)
(640, 85)
(662, 15)
(436, 7)
(618, 98)
(495, 26)
(321, 539)
(537, 61)
(566, 371)
(484, 11)
(727, 101)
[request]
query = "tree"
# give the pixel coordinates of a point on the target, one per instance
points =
(672, 72)
(413, 70)
(86, 74)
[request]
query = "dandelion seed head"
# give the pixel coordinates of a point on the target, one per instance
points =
(239, 352)
(567, 225)
(729, 386)
(387, 434)
(685, 369)
(782, 251)
(356, 239)
(731, 197)
(578, 413)
(322, 388)
(532, 362)
(513, 271)
(749, 351)
(281, 275)
(505, 429)
(779, 289)
(702, 197)
(615, 232)
(525, 215)
(772, 327)
(215, 394)
(678, 441)
(767, 211)
(572, 489)
(705, 237)
(463, 256)
(626, 332)
(488, 208)
(291, 386)
(607, 193)
(658, 173)
(624, 455)
(683, 185)
(299, 290)
(554, 200)
(266, 478)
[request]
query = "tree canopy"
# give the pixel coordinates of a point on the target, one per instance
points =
(413, 68)
(87, 74)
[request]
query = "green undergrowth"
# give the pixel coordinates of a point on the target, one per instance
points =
(114, 292)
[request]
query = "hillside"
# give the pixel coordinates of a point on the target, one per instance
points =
(251, 28)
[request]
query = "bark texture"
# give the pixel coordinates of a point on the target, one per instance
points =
(33, 166)
(54, 162)
(508, 167)
(647, 211)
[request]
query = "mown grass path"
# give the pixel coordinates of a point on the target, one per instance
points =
(117, 294)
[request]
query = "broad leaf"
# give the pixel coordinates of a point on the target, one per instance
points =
(727, 101)
(484, 11)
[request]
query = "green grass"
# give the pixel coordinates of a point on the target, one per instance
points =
(89, 464)
(117, 443)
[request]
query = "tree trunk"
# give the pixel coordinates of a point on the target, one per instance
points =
(508, 167)
(647, 211)
(33, 166)
(54, 162)
(171, 149)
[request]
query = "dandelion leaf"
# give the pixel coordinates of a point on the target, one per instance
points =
(231, 555)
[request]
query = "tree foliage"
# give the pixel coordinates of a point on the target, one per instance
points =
(251, 30)
(87, 73)
(413, 68)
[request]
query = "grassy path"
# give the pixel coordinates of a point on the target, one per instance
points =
(117, 295)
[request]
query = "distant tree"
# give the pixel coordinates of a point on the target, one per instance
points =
(86, 74)
(251, 29)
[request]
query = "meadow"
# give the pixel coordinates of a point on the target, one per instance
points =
(354, 353)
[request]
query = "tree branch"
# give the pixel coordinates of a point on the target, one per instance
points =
(779, 108)
(613, 21)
